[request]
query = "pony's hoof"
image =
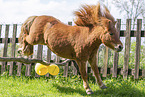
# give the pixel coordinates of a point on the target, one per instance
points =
(89, 92)
(103, 86)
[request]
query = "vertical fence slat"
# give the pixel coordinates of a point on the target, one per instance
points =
(39, 56)
(6, 41)
(48, 55)
(5, 47)
(28, 68)
(19, 68)
(0, 30)
(65, 74)
(48, 59)
(116, 54)
(143, 73)
(0, 41)
(127, 48)
(138, 45)
(13, 41)
(105, 62)
(74, 68)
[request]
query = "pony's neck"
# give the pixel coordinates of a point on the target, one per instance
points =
(94, 39)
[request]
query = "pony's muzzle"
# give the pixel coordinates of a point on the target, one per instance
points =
(118, 47)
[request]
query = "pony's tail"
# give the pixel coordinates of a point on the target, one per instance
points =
(25, 28)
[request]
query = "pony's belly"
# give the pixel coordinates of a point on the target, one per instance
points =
(64, 52)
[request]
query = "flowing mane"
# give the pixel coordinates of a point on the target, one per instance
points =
(89, 15)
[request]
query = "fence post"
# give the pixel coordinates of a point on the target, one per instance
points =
(0, 41)
(28, 68)
(127, 48)
(48, 59)
(39, 56)
(138, 45)
(13, 48)
(116, 54)
(19, 68)
(105, 62)
(5, 47)
(0, 30)
(65, 74)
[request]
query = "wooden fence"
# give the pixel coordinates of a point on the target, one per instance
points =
(8, 48)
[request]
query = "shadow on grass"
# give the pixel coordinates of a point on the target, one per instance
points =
(122, 90)
(115, 89)
(69, 90)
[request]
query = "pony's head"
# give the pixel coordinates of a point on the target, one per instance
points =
(25, 48)
(109, 35)
(99, 19)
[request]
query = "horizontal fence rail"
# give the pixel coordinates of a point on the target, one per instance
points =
(9, 45)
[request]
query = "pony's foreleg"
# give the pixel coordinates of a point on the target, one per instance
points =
(92, 60)
(82, 68)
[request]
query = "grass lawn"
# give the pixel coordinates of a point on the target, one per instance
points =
(13, 86)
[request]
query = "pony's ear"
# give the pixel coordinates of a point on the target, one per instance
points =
(106, 9)
(98, 10)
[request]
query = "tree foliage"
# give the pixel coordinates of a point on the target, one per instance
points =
(133, 9)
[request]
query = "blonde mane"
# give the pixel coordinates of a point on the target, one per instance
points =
(90, 15)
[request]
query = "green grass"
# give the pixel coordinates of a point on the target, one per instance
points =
(13, 86)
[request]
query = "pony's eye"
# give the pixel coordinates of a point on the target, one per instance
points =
(111, 33)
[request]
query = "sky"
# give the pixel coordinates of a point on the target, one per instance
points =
(17, 11)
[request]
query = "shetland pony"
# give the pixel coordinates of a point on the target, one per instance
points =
(94, 26)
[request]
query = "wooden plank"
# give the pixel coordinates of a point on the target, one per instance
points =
(0, 30)
(65, 74)
(48, 55)
(6, 41)
(39, 52)
(143, 73)
(57, 60)
(39, 56)
(19, 68)
(127, 48)
(28, 70)
(138, 46)
(5, 47)
(105, 62)
(48, 59)
(0, 41)
(70, 23)
(116, 54)
(28, 67)
(74, 68)
(13, 48)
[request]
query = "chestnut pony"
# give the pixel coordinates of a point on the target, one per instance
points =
(94, 26)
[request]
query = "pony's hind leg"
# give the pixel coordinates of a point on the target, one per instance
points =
(82, 68)
(94, 67)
